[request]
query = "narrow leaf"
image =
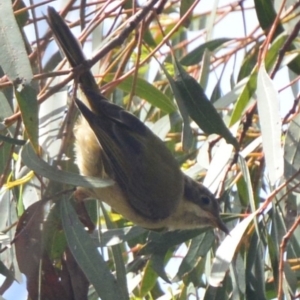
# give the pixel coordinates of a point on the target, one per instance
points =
(250, 86)
(87, 255)
(161, 242)
(27, 100)
(39, 166)
(226, 251)
(199, 107)
(199, 247)
(117, 253)
(149, 279)
(217, 167)
(270, 122)
(111, 237)
(184, 7)
(187, 135)
(12, 141)
(195, 56)
(13, 57)
(292, 153)
(266, 15)
(146, 91)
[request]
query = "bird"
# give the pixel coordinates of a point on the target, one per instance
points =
(149, 189)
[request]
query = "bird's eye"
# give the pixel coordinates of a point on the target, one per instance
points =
(205, 200)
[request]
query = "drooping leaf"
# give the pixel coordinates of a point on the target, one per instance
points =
(32, 259)
(87, 255)
(199, 107)
(187, 135)
(226, 250)
(195, 56)
(111, 237)
(249, 63)
(199, 246)
(36, 164)
(270, 123)
(292, 154)
(13, 57)
(146, 91)
(250, 87)
(161, 242)
(218, 164)
(184, 7)
(266, 15)
(27, 100)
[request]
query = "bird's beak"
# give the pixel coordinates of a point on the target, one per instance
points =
(221, 225)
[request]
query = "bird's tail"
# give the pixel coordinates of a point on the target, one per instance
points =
(70, 46)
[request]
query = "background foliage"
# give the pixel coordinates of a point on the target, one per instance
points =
(71, 250)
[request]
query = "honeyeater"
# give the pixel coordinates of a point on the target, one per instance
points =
(149, 187)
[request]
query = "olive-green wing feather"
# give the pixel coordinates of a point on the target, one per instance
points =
(142, 165)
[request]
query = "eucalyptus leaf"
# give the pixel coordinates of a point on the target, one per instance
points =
(249, 88)
(87, 255)
(195, 56)
(27, 100)
(39, 166)
(199, 107)
(198, 247)
(146, 91)
(226, 251)
(13, 56)
(187, 135)
(270, 123)
(111, 237)
(292, 154)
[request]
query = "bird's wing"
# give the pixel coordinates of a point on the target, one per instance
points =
(140, 163)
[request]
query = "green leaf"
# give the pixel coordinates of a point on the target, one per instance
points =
(149, 280)
(292, 153)
(87, 255)
(111, 237)
(148, 38)
(199, 107)
(249, 62)
(187, 135)
(27, 100)
(33, 162)
(147, 91)
(250, 86)
(184, 7)
(12, 141)
(199, 247)
(13, 56)
(195, 56)
(255, 277)
(161, 242)
(23, 17)
(266, 15)
(244, 98)
(158, 265)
